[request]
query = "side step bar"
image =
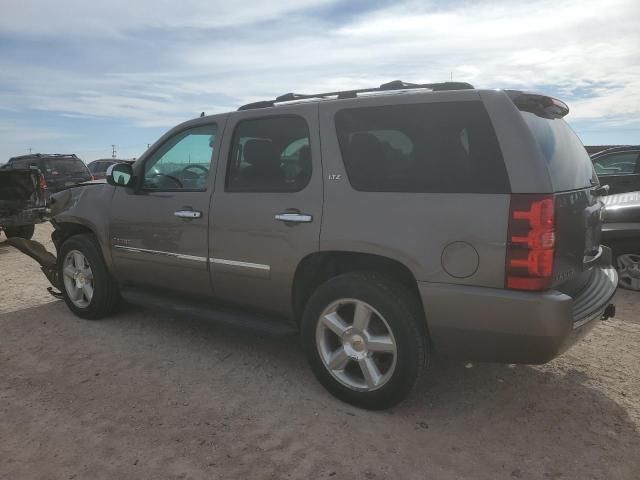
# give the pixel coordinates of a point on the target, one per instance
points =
(257, 322)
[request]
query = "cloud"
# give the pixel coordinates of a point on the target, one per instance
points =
(16, 133)
(118, 17)
(153, 64)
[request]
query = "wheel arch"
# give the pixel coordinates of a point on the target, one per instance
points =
(318, 267)
(66, 228)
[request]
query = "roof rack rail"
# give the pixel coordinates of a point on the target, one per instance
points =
(394, 85)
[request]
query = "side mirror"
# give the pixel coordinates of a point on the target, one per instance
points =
(120, 175)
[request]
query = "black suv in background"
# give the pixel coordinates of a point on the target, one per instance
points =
(618, 167)
(59, 170)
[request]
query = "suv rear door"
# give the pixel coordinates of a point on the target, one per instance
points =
(619, 170)
(266, 211)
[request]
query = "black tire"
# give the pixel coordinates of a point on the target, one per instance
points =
(23, 231)
(401, 311)
(105, 292)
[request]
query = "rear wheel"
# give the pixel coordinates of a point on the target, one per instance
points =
(23, 231)
(88, 289)
(629, 271)
(365, 339)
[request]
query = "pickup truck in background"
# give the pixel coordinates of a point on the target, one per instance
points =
(23, 201)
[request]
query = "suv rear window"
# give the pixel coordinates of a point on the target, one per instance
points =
(432, 147)
(569, 163)
(66, 166)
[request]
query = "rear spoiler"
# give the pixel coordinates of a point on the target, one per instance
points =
(541, 105)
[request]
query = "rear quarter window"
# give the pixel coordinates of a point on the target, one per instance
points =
(432, 147)
(569, 164)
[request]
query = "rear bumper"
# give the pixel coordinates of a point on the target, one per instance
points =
(497, 325)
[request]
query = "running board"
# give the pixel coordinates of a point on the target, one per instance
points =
(195, 308)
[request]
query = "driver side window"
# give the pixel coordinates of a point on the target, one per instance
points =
(183, 162)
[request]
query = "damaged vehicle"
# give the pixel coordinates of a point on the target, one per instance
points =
(23, 201)
(384, 225)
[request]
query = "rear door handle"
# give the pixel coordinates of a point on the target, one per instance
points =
(294, 217)
(191, 214)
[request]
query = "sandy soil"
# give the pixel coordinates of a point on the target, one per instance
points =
(145, 395)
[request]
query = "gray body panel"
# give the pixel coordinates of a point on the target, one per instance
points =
(150, 245)
(412, 228)
(254, 256)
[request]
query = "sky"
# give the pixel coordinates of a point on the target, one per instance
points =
(77, 76)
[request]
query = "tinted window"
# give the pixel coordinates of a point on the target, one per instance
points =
(569, 164)
(616, 164)
(270, 155)
(65, 166)
(183, 162)
(24, 163)
(431, 147)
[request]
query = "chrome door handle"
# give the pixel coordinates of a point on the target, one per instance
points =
(188, 214)
(294, 217)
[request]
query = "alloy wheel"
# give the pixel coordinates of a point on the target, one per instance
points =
(78, 278)
(629, 271)
(356, 345)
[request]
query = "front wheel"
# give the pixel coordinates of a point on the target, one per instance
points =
(365, 339)
(88, 289)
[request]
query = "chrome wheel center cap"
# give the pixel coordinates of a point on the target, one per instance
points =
(80, 280)
(355, 345)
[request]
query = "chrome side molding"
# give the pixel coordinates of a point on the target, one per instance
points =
(234, 263)
(180, 256)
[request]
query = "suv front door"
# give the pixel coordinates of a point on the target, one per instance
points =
(267, 208)
(159, 230)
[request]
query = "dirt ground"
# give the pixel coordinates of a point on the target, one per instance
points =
(145, 395)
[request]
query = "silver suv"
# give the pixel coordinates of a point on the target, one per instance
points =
(385, 224)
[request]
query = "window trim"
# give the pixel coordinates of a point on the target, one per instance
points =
(232, 144)
(151, 155)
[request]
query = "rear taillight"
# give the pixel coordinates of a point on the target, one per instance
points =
(531, 242)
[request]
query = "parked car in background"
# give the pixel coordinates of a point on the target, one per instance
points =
(23, 201)
(385, 224)
(98, 168)
(618, 167)
(621, 232)
(59, 170)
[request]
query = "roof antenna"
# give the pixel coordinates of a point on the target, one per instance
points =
(452, 76)
(202, 115)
